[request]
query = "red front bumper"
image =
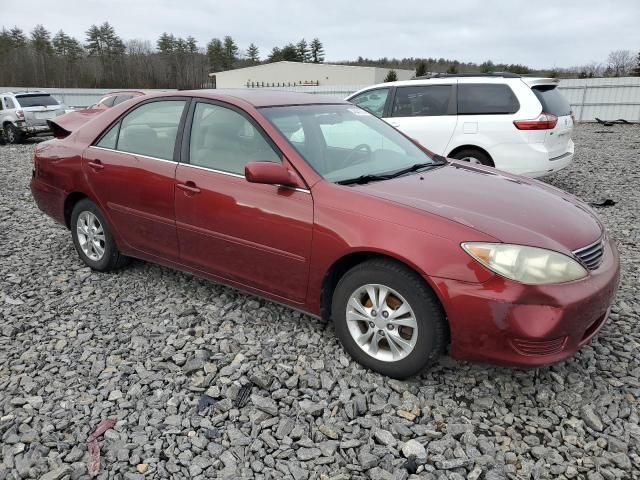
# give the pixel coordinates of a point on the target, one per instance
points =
(508, 323)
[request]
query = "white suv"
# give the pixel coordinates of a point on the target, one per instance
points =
(518, 124)
(25, 114)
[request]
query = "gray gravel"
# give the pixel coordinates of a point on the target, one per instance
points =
(166, 355)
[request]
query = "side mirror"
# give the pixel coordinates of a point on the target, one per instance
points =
(270, 173)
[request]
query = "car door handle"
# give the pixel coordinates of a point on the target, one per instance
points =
(188, 187)
(96, 165)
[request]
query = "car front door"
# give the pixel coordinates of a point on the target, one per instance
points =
(426, 113)
(373, 101)
(253, 234)
(131, 171)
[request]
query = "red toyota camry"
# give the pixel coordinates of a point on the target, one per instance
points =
(319, 205)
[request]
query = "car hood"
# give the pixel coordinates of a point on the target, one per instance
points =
(509, 208)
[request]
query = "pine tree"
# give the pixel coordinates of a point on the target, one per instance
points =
(290, 53)
(230, 53)
(253, 54)
(215, 54)
(275, 55)
(421, 68)
(17, 37)
(317, 51)
(392, 76)
(304, 55)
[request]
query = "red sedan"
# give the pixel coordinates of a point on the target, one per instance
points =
(319, 205)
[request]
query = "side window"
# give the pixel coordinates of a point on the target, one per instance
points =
(108, 101)
(9, 103)
(372, 101)
(110, 139)
(486, 99)
(422, 101)
(151, 129)
(222, 139)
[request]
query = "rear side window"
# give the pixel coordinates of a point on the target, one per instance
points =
(422, 101)
(108, 101)
(552, 100)
(36, 100)
(486, 99)
(9, 103)
(373, 101)
(121, 98)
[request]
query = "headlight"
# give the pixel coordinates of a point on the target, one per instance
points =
(530, 265)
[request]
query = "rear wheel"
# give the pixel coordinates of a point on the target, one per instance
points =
(13, 134)
(474, 156)
(92, 238)
(388, 319)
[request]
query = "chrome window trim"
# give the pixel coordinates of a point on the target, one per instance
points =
(230, 174)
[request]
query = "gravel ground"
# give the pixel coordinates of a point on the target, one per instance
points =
(166, 356)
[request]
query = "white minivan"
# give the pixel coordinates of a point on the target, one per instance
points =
(522, 125)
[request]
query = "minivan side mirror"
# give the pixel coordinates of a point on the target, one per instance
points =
(271, 173)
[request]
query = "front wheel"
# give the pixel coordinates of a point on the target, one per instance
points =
(388, 319)
(92, 238)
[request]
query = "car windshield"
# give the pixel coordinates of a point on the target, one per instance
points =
(36, 100)
(343, 142)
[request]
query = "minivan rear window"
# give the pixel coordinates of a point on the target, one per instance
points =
(486, 99)
(552, 100)
(36, 100)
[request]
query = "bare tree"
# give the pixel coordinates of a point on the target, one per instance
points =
(620, 63)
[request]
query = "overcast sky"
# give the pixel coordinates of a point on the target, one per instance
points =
(562, 33)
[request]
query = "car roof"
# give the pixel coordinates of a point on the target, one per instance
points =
(32, 92)
(259, 97)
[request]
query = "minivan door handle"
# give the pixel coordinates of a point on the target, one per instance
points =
(189, 187)
(96, 165)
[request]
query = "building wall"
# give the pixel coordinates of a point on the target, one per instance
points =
(296, 73)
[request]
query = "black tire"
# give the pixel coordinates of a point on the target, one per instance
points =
(12, 134)
(112, 258)
(469, 153)
(432, 331)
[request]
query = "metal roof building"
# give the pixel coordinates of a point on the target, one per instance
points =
(290, 74)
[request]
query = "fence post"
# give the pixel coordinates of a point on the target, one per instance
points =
(584, 96)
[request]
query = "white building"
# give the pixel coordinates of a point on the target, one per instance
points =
(291, 74)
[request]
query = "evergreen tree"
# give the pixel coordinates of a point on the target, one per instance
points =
(17, 37)
(317, 51)
(230, 53)
(290, 53)
(253, 54)
(453, 68)
(215, 54)
(392, 76)
(275, 55)
(421, 68)
(304, 55)
(636, 70)
(487, 67)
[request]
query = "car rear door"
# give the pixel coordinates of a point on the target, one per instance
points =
(252, 234)
(557, 140)
(131, 171)
(426, 113)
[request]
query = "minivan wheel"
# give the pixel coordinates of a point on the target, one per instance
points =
(92, 238)
(474, 156)
(388, 319)
(13, 134)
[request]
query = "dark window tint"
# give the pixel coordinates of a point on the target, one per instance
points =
(422, 101)
(223, 139)
(36, 100)
(151, 129)
(483, 99)
(372, 101)
(552, 100)
(9, 103)
(121, 98)
(109, 101)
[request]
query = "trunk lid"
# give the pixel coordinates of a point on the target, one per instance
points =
(558, 139)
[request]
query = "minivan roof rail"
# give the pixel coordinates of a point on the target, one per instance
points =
(447, 75)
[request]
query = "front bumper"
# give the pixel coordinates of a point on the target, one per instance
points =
(507, 323)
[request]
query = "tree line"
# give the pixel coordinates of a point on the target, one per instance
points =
(104, 60)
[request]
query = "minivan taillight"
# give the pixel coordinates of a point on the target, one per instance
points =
(545, 121)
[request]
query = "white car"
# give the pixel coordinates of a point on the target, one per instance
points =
(522, 125)
(25, 114)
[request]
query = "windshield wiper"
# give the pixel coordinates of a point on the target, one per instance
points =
(437, 160)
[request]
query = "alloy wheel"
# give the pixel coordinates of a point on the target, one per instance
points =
(381, 322)
(91, 236)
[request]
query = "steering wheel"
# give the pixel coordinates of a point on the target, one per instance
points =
(363, 147)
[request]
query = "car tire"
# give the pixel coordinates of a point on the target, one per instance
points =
(12, 134)
(93, 239)
(421, 346)
(473, 155)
